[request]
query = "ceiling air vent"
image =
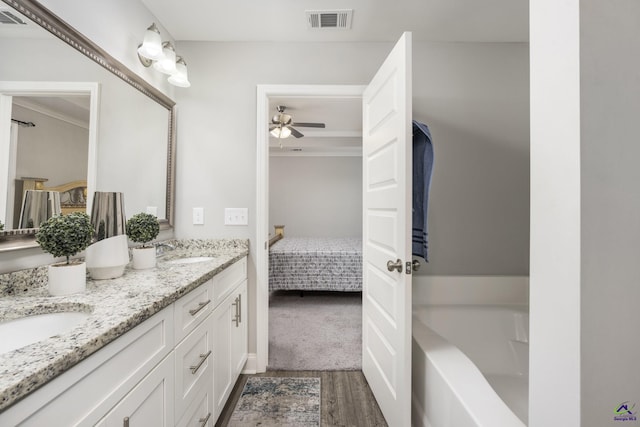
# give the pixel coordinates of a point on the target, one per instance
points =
(321, 19)
(6, 17)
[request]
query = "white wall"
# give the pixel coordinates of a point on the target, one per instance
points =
(554, 361)
(474, 97)
(584, 208)
(53, 149)
(316, 196)
(610, 208)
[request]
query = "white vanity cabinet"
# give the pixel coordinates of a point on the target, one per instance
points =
(84, 394)
(176, 368)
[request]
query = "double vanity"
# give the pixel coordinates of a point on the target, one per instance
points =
(158, 347)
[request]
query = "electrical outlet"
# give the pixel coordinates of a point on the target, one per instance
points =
(198, 216)
(236, 216)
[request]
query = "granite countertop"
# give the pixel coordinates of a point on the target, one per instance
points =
(115, 306)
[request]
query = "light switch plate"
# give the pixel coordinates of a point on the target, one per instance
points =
(236, 216)
(198, 216)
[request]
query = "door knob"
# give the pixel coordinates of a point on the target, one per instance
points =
(394, 265)
(415, 265)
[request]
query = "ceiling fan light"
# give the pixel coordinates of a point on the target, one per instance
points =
(281, 132)
(180, 78)
(151, 47)
(167, 64)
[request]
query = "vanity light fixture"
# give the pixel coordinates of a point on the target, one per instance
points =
(162, 55)
(180, 78)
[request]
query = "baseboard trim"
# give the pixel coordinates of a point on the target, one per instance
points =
(482, 290)
(250, 367)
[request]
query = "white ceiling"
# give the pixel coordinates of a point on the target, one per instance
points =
(71, 108)
(373, 20)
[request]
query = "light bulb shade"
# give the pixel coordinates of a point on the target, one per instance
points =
(180, 77)
(151, 47)
(107, 214)
(38, 206)
(281, 132)
(166, 64)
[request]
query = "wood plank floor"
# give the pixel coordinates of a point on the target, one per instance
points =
(346, 400)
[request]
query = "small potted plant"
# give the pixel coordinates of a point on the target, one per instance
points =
(143, 228)
(65, 236)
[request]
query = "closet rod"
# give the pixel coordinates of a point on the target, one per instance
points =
(24, 124)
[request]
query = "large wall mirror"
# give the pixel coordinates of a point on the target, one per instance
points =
(75, 120)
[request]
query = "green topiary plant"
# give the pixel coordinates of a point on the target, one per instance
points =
(65, 235)
(143, 228)
(1, 226)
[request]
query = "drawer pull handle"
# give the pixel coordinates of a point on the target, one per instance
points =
(204, 420)
(125, 422)
(203, 357)
(201, 305)
(239, 308)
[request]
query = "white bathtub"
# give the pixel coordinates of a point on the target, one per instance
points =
(470, 366)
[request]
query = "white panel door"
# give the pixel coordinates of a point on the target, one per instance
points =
(386, 299)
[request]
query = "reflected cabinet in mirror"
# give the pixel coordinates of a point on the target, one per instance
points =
(74, 120)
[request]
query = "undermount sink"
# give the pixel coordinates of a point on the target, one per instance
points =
(27, 330)
(189, 260)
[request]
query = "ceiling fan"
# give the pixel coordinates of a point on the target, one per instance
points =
(281, 125)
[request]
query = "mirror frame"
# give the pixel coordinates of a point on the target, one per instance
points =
(40, 15)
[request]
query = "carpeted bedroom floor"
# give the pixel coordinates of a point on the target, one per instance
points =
(319, 331)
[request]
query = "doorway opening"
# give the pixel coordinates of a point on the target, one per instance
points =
(301, 96)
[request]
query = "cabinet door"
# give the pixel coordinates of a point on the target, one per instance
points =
(150, 403)
(239, 333)
(222, 317)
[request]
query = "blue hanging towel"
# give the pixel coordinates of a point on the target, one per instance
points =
(422, 170)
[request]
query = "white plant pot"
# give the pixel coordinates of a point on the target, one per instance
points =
(67, 279)
(107, 258)
(144, 258)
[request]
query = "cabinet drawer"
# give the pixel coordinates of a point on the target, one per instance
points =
(200, 413)
(194, 366)
(229, 278)
(192, 308)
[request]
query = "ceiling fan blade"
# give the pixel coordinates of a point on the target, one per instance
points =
(296, 133)
(309, 125)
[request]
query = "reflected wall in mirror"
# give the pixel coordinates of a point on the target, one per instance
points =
(49, 148)
(134, 122)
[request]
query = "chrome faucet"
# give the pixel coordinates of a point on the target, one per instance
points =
(162, 247)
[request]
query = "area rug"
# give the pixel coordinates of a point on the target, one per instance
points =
(320, 331)
(278, 401)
